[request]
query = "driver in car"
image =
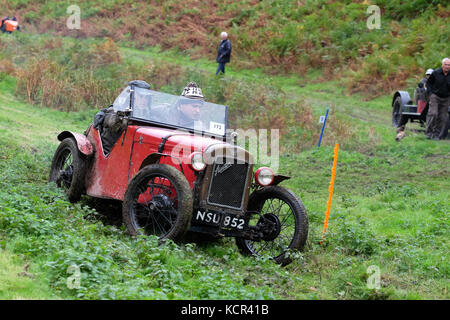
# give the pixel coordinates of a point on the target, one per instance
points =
(187, 110)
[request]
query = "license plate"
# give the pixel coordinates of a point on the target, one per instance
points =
(224, 220)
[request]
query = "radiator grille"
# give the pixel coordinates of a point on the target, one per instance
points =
(228, 184)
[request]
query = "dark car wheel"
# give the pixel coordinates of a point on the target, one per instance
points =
(285, 213)
(158, 201)
(396, 112)
(68, 169)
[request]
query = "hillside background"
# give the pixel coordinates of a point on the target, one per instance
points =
(277, 35)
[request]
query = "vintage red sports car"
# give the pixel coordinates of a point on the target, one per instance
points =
(174, 176)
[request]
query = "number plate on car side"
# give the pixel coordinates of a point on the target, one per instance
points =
(224, 220)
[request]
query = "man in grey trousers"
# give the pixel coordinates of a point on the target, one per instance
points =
(438, 87)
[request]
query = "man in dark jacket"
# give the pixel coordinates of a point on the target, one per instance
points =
(224, 52)
(438, 87)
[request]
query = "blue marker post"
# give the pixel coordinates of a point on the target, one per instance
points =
(323, 127)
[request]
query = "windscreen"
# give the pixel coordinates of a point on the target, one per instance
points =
(179, 111)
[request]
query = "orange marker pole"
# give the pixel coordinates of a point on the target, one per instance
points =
(330, 191)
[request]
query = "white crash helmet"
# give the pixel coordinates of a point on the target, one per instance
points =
(192, 91)
(429, 71)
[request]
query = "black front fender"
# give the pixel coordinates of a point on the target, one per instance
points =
(279, 178)
(404, 98)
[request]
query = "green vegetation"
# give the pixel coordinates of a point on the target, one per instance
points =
(18, 282)
(390, 205)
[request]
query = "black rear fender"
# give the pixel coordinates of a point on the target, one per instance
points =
(404, 98)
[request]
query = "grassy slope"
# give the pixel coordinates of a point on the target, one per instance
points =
(390, 206)
(22, 128)
(18, 284)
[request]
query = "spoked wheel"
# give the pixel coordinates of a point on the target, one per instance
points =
(68, 169)
(396, 112)
(159, 202)
(281, 218)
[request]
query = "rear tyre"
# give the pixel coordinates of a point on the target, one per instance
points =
(69, 169)
(159, 202)
(285, 213)
(396, 112)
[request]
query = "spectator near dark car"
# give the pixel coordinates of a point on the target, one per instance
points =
(438, 87)
(420, 93)
(421, 99)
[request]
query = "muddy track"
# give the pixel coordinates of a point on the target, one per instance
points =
(357, 112)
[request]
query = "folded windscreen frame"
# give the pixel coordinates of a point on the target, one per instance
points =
(122, 101)
(139, 84)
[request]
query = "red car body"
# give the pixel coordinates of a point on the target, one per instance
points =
(108, 176)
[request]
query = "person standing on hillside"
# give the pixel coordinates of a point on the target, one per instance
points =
(224, 52)
(2, 24)
(9, 25)
(438, 87)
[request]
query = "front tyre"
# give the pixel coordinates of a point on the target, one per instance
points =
(69, 169)
(281, 215)
(159, 202)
